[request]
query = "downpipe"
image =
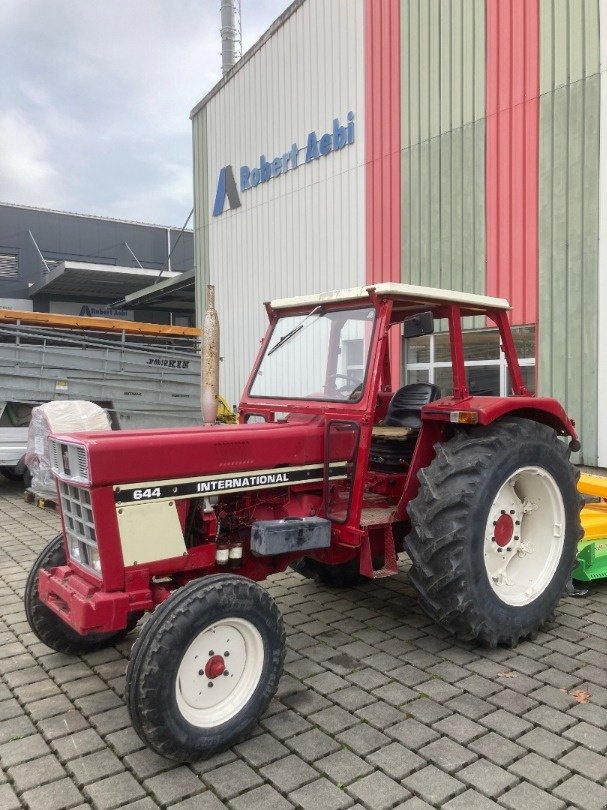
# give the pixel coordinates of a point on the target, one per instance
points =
(209, 382)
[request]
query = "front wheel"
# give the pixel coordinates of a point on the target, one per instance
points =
(47, 626)
(205, 667)
(494, 531)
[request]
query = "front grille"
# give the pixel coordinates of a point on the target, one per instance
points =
(55, 454)
(69, 460)
(79, 525)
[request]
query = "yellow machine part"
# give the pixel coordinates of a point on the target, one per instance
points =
(225, 413)
(594, 515)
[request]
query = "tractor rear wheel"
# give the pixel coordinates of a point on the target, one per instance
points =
(47, 626)
(494, 532)
(205, 667)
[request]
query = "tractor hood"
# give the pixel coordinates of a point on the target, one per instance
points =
(128, 457)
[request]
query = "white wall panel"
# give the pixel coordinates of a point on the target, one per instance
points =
(602, 281)
(302, 231)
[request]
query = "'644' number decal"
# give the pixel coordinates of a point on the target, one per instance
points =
(144, 494)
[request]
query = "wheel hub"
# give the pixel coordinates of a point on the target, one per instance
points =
(215, 667)
(524, 535)
(504, 530)
(219, 672)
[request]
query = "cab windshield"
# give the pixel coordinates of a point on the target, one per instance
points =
(318, 355)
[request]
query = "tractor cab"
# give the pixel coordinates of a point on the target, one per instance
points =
(321, 351)
(334, 359)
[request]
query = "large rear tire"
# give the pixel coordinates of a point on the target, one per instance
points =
(494, 532)
(48, 627)
(205, 667)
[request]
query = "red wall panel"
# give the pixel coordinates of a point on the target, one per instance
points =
(512, 95)
(382, 147)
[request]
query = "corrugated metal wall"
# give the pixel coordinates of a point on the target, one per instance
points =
(443, 143)
(512, 154)
(383, 147)
(568, 210)
(602, 256)
(303, 231)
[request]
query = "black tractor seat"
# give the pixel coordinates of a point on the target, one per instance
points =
(394, 454)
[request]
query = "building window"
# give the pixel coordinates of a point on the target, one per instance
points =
(355, 358)
(428, 359)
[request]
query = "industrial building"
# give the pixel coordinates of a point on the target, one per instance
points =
(448, 143)
(75, 264)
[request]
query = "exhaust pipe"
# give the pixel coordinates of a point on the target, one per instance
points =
(209, 390)
(231, 37)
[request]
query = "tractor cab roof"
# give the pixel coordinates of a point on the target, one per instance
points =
(408, 298)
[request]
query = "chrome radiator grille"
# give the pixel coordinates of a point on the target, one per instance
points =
(79, 526)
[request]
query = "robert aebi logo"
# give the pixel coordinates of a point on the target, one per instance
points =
(316, 147)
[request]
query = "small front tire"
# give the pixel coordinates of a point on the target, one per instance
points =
(205, 667)
(47, 626)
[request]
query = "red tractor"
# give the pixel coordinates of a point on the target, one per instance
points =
(330, 471)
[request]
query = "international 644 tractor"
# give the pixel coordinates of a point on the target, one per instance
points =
(330, 471)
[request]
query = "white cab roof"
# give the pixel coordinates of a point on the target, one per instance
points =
(409, 292)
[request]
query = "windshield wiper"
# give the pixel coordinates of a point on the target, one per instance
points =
(294, 331)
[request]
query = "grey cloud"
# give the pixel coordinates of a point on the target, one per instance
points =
(95, 114)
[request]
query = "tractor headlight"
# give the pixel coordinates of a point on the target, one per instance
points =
(94, 560)
(79, 524)
(75, 550)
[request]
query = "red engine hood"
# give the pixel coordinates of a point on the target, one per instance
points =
(133, 455)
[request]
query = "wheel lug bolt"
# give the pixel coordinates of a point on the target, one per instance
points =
(503, 512)
(210, 684)
(226, 673)
(495, 522)
(201, 671)
(517, 522)
(512, 511)
(226, 654)
(516, 537)
(508, 549)
(211, 653)
(499, 551)
(493, 539)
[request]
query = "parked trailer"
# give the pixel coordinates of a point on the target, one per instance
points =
(145, 375)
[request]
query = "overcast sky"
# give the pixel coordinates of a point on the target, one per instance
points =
(95, 97)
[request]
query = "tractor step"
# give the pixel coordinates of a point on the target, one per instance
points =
(390, 566)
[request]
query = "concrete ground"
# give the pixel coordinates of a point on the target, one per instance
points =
(377, 708)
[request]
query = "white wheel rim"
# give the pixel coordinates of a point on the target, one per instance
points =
(524, 536)
(210, 692)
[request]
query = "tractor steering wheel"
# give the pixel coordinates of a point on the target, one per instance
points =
(346, 392)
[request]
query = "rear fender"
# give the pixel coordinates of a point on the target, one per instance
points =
(546, 410)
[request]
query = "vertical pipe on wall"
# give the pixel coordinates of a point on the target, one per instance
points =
(383, 150)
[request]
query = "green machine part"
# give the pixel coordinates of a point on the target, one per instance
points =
(592, 560)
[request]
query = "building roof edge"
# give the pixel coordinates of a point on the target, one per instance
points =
(246, 57)
(94, 216)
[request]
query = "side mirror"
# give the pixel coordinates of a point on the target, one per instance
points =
(418, 325)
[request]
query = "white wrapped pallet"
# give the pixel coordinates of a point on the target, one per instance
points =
(67, 416)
